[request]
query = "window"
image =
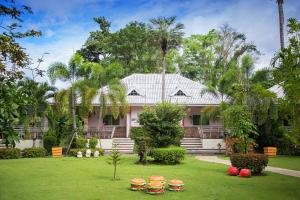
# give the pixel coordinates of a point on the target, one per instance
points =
(133, 93)
(197, 120)
(180, 93)
(110, 120)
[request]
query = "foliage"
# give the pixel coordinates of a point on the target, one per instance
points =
(141, 142)
(12, 55)
(34, 152)
(255, 162)
(10, 153)
(239, 124)
(114, 159)
(9, 110)
(287, 74)
(168, 155)
(80, 142)
(49, 141)
(93, 142)
(162, 124)
(73, 152)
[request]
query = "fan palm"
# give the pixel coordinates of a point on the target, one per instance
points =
(168, 34)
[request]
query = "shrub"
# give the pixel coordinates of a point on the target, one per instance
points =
(80, 143)
(73, 152)
(10, 153)
(255, 162)
(93, 143)
(141, 142)
(34, 152)
(168, 155)
(162, 124)
(49, 142)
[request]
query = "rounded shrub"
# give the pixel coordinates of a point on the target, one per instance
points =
(49, 142)
(80, 143)
(34, 152)
(10, 153)
(168, 155)
(255, 162)
(93, 143)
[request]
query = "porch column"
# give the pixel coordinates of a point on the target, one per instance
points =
(128, 120)
(86, 123)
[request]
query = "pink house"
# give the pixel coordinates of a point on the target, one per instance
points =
(145, 90)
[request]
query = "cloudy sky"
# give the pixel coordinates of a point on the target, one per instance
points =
(66, 24)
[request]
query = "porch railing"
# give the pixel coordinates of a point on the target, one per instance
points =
(106, 132)
(204, 132)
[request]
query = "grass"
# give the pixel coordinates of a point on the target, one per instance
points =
(90, 179)
(288, 162)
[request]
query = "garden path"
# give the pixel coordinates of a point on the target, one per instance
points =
(278, 170)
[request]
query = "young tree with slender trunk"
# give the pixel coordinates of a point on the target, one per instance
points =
(168, 34)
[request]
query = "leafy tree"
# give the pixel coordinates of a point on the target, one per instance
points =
(167, 34)
(238, 123)
(162, 124)
(287, 74)
(12, 54)
(114, 159)
(9, 110)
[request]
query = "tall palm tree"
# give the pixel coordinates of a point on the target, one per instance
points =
(37, 95)
(281, 22)
(168, 34)
(70, 73)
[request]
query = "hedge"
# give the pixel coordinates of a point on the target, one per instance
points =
(10, 153)
(255, 162)
(34, 152)
(168, 155)
(73, 152)
(80, 143)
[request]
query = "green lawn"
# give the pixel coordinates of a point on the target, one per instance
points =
(288, 162)
(72, 178)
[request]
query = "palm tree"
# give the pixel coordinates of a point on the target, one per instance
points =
(70, 73)
(168, 34)
(110, 91)
(37, 95)
(281, 22)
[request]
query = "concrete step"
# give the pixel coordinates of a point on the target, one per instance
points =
(124, 145)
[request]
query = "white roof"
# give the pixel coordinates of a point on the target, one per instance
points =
(278, 90)
(148, 86)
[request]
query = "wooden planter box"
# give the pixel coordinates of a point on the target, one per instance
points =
(56, 152)
(270, 151)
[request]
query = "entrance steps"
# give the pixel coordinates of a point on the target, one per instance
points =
(192, 145)
(124, 145)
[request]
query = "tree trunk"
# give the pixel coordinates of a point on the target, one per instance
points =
(74, 112)
(281, 22)
(34, 131)
(163, 88)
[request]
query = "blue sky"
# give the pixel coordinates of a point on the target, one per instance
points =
(66, 23)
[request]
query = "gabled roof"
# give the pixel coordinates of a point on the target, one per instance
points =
(149, 88)
(278, 90)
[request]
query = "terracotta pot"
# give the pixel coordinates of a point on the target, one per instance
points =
(270, 151)
(233, 171)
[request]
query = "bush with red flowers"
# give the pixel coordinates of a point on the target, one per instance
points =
(233, 171)
(245, 173)
(255, 162)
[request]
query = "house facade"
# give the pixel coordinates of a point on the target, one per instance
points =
(145, 90)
